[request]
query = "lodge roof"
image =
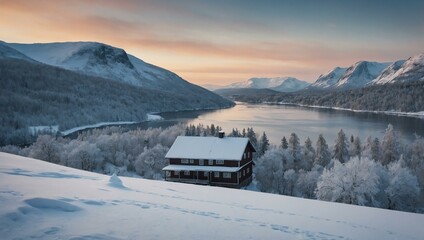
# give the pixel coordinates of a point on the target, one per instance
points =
(210, 148)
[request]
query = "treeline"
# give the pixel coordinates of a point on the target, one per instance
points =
(374, 172)
(379, 173)
(403, 97)
(33, 94)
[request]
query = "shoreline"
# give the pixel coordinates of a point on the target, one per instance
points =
(153, 116)
(419, 115)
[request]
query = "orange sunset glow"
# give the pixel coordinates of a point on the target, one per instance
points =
(217, 42)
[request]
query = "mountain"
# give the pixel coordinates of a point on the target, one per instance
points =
(11, 53)
(364, 73)
(403, 70)
(281, 84)
(101, 60)
(329, 79)
(41, 200)
(230, 92)
(212, 87)
(358, 75)
(34, 93)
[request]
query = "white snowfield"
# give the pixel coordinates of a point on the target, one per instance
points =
(40, 200)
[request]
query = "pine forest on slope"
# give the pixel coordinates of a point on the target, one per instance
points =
(34, 94)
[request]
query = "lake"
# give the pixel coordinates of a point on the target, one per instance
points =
(281, 120)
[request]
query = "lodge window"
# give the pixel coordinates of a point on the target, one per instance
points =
(201, 162)
(191, 161)
(205, 174)
(210, 162)
(168, 173)
(244, 155)
(186, 173)
(248, 170)
(248, 154)
(219, 162)
(227, 175)
(243, 173)
(216, 174)
(184, 160)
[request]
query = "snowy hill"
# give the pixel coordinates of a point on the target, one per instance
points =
(329, 79)
(281, 84)
(10, 53)
(401, 71)
(101, 60)
(46, 201)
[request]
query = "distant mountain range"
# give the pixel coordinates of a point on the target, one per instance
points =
(279, 84)
(364, 73)
(358, 75)
(78, 83)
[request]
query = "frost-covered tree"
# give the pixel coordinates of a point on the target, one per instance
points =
(149, 164)
(85, 156)
(270, 170)
(403, 191)
(45, 148)
(307, 182)
(390, 146)
(290, 178)
(284, 143)
(355, 148)
(307, 159)
(322, 156)
(354, 182)
(340, 151)
(415, 160)
(263, 144)
(294, 149)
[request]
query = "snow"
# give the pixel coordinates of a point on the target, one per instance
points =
(153, 117)
(200, 168)
(73, 204)
(101, 124)
(34, 130)
(282, 84)
(227, 148)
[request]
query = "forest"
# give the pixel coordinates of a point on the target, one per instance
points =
(35, 94)
(402, 97)
(369, 172)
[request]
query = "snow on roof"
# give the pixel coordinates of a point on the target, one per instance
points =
(200, 168)
(227, 148)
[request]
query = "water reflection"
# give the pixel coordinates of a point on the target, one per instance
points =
(279, 120)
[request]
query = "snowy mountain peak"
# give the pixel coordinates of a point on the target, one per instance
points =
(330, 78)
(403, 70)
(360, 74)
(281, 84)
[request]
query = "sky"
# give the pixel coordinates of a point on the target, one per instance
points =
(224, 41)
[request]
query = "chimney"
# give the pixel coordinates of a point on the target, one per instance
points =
(221, 134)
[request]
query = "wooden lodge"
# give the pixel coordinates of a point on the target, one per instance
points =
(219, 161)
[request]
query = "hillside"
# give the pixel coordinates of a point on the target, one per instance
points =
(74, 84)
(46, 201)
(400, 97)
(35, 94)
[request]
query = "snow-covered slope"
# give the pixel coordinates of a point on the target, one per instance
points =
(360, 74)
(281, 84)
(40, 200)
(401, 71)
(10, 53)
(329, 79)
(98, 59)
